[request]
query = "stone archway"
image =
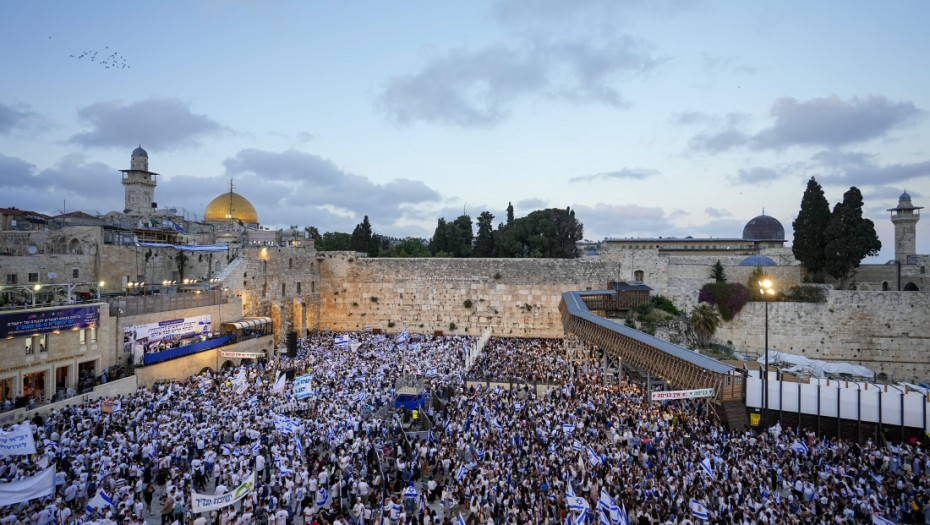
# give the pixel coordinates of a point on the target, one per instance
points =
(227, 364)
(911, 287)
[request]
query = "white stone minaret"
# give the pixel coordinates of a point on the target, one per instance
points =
(139, 183)
(905, 218)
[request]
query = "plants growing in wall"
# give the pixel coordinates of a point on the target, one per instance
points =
(374, 299)
(354, 304)
(452, 327)
(728, 298)
(467, 304)
(497, 275)
(391, 324)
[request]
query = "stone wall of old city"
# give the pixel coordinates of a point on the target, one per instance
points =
(887, 332)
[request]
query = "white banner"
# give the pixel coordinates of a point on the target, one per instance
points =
(210, 502)
(242, 355)
(42, 484)
(682, 394)
(18, 441)
(155, 336)
(303, 386)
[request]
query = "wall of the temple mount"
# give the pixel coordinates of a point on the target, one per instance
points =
(887, 332)
(516, 297)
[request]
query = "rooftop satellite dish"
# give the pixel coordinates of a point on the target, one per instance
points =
(32, 250)
(52, 275)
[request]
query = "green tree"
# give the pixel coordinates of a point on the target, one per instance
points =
(314, 234)
(850, 237)
(810, 230)
(509, 214)
(411, 247)
(704, 319)
(549, 233)
(361, 236)
(440, 240)
(717, 273)
(466, 234)
(336, 241)
(484, 242)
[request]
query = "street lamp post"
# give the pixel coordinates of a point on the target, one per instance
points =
(765, 288)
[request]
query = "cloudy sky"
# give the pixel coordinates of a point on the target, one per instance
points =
(648, 117)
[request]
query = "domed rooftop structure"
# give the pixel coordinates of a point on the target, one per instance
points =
(230, 206)
(764, 228)
(757, 260)
(139, 152)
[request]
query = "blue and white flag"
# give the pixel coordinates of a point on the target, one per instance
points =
(298, 447)
(322, 497)
(254, 447)
(226, 449)
(303, 386)
(602, 518)
(517, 405)
(402, 337)
(361, 396)
(497, 425)
(410, 492)
(593, 458)
(99, 502)
(279, 383)
(51, 447)
(698, 510)
(37, 486)
(253, 400)
(568, 428)
(576, 503)
(461, 521)
(205, 383)
(877, 519)
(284, 469)
(706, 467)
(621, 518)
(569, 490)
(799, 447)
(581, 518)
(432, 372)
(460, 473)
(577, 446)
(606, 501)
(342, 340)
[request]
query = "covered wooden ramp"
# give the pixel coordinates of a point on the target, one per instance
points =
(683, 369)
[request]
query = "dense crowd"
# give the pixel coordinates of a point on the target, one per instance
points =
(585, 450)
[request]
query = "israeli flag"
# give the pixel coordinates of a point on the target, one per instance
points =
(279, 384)
(51, 446)
(99, 502)
(432, 372)
(569, 490)
(361, 396)
(461, 521)
(226, 449)
(877, 519)
(621, 518)
(568, 428)
(410, 492)
(706, 467)
(606, 501)
(460, 473)
(577, 503)
(252, 401)
(402, 337)
(577, 446)
(497, 425)
(342, 340)
(799, 447)
(480, 454)
(322, 497)
(593, 458)
(698, 510)
(602, 518)
(582, 517)
(429, 436)
(298, 447)
(285, 471)
(254, 448)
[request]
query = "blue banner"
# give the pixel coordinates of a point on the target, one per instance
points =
(22, 324)
(164, 355)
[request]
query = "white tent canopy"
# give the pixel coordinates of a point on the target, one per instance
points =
(816, 367)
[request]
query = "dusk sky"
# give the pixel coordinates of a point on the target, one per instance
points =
(647, 117)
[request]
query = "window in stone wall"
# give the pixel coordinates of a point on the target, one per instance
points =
(29, 349)
(82, 336)
(312, 287)
(264, 290)
(92, 333)
(264, 266)
(34, 277)
(298, 287)
(75, 273)
(290, 264)
(638, 275)
(43, 343)
(11, 278)
(283, 288)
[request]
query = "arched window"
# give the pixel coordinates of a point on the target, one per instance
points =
(74, 247)
(638, 275)
(885, 286)
(911, 287)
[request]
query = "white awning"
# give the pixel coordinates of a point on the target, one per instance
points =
(248, 323)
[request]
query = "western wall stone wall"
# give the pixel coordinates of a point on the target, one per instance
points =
(888, 332)
(515, 297)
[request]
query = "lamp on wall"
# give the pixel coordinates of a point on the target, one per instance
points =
(765, 289)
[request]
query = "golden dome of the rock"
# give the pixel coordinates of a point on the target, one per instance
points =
(230, 206)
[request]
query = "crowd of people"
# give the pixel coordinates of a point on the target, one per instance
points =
(580, 450)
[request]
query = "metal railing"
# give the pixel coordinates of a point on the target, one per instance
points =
(148, 304)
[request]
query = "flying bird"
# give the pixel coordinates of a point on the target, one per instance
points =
(112, 61)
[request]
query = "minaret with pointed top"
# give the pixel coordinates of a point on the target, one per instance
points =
(905, 218)
(139, 184)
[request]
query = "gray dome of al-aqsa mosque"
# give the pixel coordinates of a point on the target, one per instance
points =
(764, 228)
